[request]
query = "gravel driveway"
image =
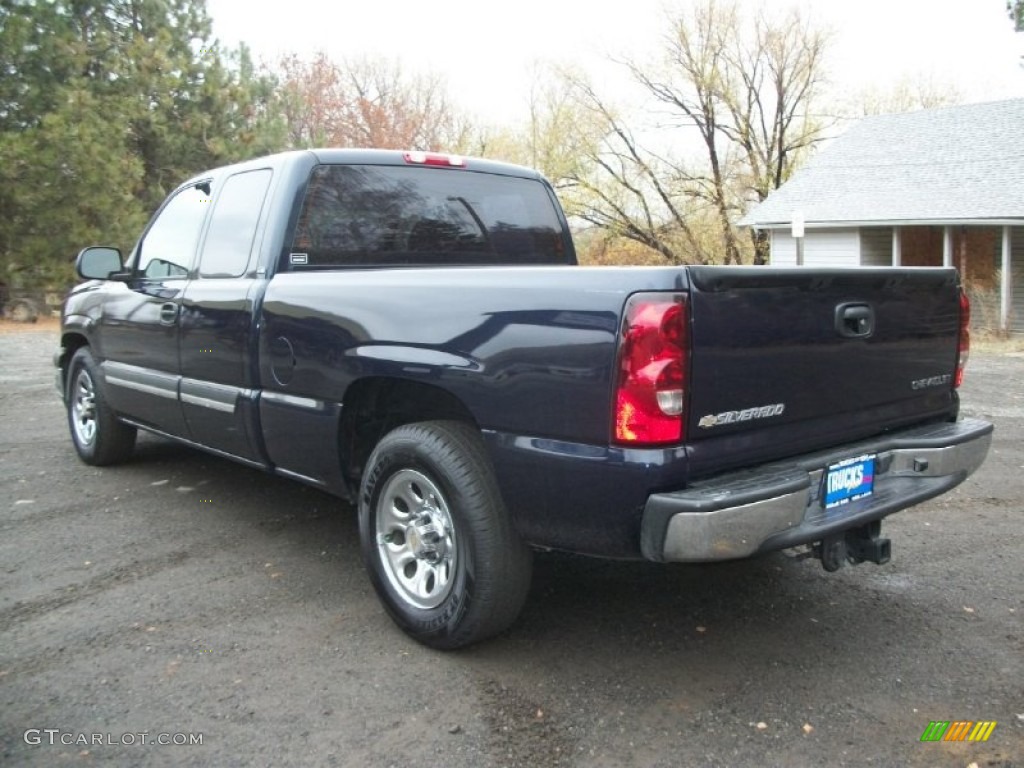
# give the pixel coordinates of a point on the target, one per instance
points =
(186, 598)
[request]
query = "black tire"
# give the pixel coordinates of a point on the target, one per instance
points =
(437, 541)
(98, 437)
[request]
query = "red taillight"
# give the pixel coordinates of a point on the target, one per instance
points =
(651, 386)
(434, 158)
(965, 338)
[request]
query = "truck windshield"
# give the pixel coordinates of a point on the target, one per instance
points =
(362, 215)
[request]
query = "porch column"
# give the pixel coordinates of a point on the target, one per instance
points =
(897, 247)
(1005, 284)
(947, 246)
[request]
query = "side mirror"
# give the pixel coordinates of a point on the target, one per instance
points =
(98, 262)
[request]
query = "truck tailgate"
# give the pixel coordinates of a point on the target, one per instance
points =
(785, 361)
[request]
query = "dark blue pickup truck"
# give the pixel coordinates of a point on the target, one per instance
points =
(410, 331)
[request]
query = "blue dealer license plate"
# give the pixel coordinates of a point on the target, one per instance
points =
(849, 480)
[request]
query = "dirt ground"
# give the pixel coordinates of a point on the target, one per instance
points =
(184, 596)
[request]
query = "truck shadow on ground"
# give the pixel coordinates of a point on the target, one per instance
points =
(606, 607)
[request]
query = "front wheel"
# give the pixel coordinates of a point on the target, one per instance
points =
(98, 436)
(437, 541)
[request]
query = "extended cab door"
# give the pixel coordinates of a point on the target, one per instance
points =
(139, 327)
(218, 387)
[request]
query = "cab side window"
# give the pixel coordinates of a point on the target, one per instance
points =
(236, 213)
(169, 246)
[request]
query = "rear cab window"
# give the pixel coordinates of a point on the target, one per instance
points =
(229, 240)
(382, 215)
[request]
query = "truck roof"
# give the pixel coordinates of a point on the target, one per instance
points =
(356, 156)
(400, 157)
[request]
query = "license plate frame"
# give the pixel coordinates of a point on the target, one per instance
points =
(848, 480)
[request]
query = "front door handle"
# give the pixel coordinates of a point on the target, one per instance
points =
(168, 313)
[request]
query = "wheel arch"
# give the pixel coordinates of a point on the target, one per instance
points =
(70, 342)
(375, 405)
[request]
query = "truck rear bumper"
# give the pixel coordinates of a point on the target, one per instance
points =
(781, 505)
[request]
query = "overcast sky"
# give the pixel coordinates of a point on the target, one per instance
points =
(485, 49)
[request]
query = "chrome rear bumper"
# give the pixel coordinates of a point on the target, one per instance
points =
(780, 505)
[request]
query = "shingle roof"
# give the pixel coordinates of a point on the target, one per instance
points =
(949, 164)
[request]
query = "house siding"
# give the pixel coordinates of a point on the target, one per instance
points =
(876, 246)
(783, 251)
(823, 248)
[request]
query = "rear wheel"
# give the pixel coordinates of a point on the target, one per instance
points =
(98, 436)
(437, 541)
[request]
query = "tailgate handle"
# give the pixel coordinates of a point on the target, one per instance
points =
(855, 321)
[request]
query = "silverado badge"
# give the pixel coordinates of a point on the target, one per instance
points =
(733, 417)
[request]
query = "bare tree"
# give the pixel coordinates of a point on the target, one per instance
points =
(559, 136)
(628, 191)
(909, 93)
(310, 99)
(775, 79)
(737, 94)
(604, 179)
(693, 83)
(368, 102)
(383, 107)
(562, 133)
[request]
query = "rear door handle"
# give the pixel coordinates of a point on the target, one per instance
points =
(855, 320)
(168, 313)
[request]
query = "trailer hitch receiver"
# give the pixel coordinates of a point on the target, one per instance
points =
(854, 546)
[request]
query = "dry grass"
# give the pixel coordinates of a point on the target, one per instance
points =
(42, 325)
(996, 344)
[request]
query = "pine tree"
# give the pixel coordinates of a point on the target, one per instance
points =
(105, 106)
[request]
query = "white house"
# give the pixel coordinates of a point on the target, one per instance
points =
(936, 187)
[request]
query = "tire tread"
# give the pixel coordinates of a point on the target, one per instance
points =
(115, 440)
(502, 561)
